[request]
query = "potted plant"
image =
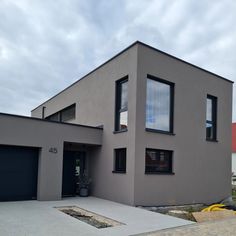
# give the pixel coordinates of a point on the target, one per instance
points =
(84, 182)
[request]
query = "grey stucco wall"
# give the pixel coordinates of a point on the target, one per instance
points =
(44, 135)
(95, 101)
(202, 168)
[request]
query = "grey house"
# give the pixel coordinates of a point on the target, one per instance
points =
(147, 127)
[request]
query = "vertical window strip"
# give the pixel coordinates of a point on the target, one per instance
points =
(159, 105)
(211, 118)
(121, 113)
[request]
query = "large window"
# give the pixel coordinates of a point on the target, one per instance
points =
(159, 105)
(64, 115)
(158, 161)
(120, 160)
(121, 113)
(211, 116)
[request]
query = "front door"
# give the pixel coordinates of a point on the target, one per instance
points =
(73, 166)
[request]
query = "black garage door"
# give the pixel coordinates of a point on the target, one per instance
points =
(18, 173)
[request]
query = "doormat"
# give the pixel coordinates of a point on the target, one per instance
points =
(89, 217)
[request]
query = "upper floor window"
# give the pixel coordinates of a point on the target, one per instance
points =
(54, 117)
(68, 113)
(159, 104)
(211, 117)
(121, 116)
(64, 115)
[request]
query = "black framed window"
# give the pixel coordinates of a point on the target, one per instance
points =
(211, 118)
(120, 160)
(121, 111)
(54, 117)
(68, 113)
(158, 161)
(64, 115)
(159, 105)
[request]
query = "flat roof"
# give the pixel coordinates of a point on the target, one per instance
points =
(50, 121)
(124, 50)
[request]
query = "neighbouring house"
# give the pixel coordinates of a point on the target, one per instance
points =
(146, 127)
(234, 151)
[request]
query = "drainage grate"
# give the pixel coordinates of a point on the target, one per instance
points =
(89, 217)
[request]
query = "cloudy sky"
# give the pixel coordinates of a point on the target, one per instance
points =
(45, 45)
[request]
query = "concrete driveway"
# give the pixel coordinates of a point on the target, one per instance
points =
(42, 218)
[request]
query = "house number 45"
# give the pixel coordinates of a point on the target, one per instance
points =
(53, 150)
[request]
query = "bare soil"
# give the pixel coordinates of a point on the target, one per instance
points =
(183, 212)
(89, 217)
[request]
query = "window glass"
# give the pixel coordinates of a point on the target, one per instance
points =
(63, 115)
(54, 117)
(158, 105)
(158, 161)
(209, 109)
(68, 113)
(120, 160)
(209, 130)
(211, 116)
(124, 95)
(123, 120)
(121, 113)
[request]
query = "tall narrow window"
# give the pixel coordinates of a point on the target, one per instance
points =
(120, 160)
(211, 117)
(159, 105)
(121, 116)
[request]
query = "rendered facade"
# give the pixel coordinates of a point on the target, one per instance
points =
(234, 150)
(148, 128)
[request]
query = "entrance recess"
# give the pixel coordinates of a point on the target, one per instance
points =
(73, 167)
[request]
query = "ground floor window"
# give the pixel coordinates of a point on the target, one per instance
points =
(158, 161)
(120, 160)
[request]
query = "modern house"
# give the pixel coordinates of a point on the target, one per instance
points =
(234, 151)
(147, 127)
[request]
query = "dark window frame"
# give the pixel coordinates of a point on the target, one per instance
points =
(59, 113)
(119, 110)
(171, 106)
(168, 172)
(66, 109)
(213, 122)
(116, 167)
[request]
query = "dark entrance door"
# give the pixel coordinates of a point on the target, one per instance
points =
(73, 166)
(18, 173)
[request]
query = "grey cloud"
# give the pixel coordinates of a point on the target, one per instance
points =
(47, 45)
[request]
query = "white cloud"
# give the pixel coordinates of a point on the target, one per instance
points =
(46, 45)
